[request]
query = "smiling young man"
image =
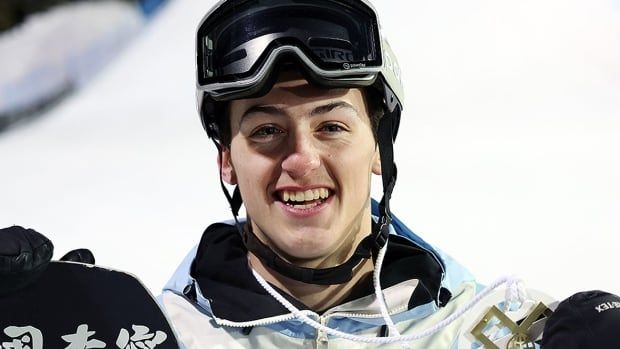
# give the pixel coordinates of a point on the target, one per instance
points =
(292, 155)
(302, 99)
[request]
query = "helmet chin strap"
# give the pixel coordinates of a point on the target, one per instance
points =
(327, 276)
(370, 245)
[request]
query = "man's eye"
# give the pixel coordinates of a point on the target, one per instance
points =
(267, 131)
(332, 128)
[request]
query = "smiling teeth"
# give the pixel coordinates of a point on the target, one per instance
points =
(308, 195)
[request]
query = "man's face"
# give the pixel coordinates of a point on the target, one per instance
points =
(303, 157)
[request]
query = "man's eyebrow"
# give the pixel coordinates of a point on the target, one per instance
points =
(322, 109)
(273, 110)
(267, 109)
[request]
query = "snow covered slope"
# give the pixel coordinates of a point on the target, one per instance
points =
(56, 51)
(507, 152)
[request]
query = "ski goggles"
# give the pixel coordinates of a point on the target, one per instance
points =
(338, 43)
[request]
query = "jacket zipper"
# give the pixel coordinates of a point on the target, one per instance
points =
(321, 336)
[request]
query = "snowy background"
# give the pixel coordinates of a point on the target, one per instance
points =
(507, 151)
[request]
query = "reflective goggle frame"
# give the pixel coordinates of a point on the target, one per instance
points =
(232, 28)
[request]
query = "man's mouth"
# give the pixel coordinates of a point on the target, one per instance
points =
(305, 199)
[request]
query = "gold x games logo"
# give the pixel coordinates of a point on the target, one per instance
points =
(520, 330)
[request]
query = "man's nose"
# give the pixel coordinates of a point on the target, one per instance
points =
(303, 157)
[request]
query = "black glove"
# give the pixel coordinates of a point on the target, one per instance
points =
(585, 320)
(81, 255)
(24, 255)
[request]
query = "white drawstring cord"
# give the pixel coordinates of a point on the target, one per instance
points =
(515, 293)
(509, 280)
(393, 331)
